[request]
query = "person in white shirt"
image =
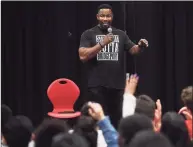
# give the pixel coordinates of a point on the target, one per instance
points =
(129, 100)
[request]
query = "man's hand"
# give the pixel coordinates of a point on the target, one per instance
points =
(143, 43)
(131, 84)
(107, 39)
(96, 111)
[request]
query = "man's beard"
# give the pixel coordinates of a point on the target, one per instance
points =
(104, 26)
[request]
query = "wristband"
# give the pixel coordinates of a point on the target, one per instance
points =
(101, 45)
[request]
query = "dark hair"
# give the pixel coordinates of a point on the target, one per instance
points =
(174, 127)
(26, 122)
(70, 122)
(130, 125)
(187, 97)
(145, 105)
(68, 140)
(46, 130)
(6, 114)
(104, 6)
(15, 133)
(86, 126)
(84, 109)
(147, 138)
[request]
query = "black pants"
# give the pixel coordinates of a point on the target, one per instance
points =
(111, 101)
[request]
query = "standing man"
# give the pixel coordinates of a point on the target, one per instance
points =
(102, 48)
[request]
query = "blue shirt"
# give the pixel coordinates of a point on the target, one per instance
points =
(109, 132)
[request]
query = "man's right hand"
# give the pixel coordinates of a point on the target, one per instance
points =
(107, 39)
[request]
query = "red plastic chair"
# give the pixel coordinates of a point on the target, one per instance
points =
(63, 93)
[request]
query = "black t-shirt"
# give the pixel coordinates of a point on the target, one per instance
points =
(108, 67)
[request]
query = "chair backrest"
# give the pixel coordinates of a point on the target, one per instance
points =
(63, 93)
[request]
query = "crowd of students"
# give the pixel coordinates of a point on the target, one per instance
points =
(142, 123)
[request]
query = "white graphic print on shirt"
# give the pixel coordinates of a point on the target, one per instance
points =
(110, 51)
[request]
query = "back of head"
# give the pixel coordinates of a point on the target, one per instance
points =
(68, 140)
(6, 114)
(187, 97)
(27, 123)
(84, 109)
(149, 138)
(130, 125)
(85, 112)
(46, 130)
(16, 134)
(145, 105)
(174, 127)
(71, 122)
(86, 126)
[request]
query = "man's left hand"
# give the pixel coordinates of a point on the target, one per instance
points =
(143, 43)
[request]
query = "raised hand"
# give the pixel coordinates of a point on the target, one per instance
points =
(186, 113)
(131, 84)
(96, 111)
(158, 115)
